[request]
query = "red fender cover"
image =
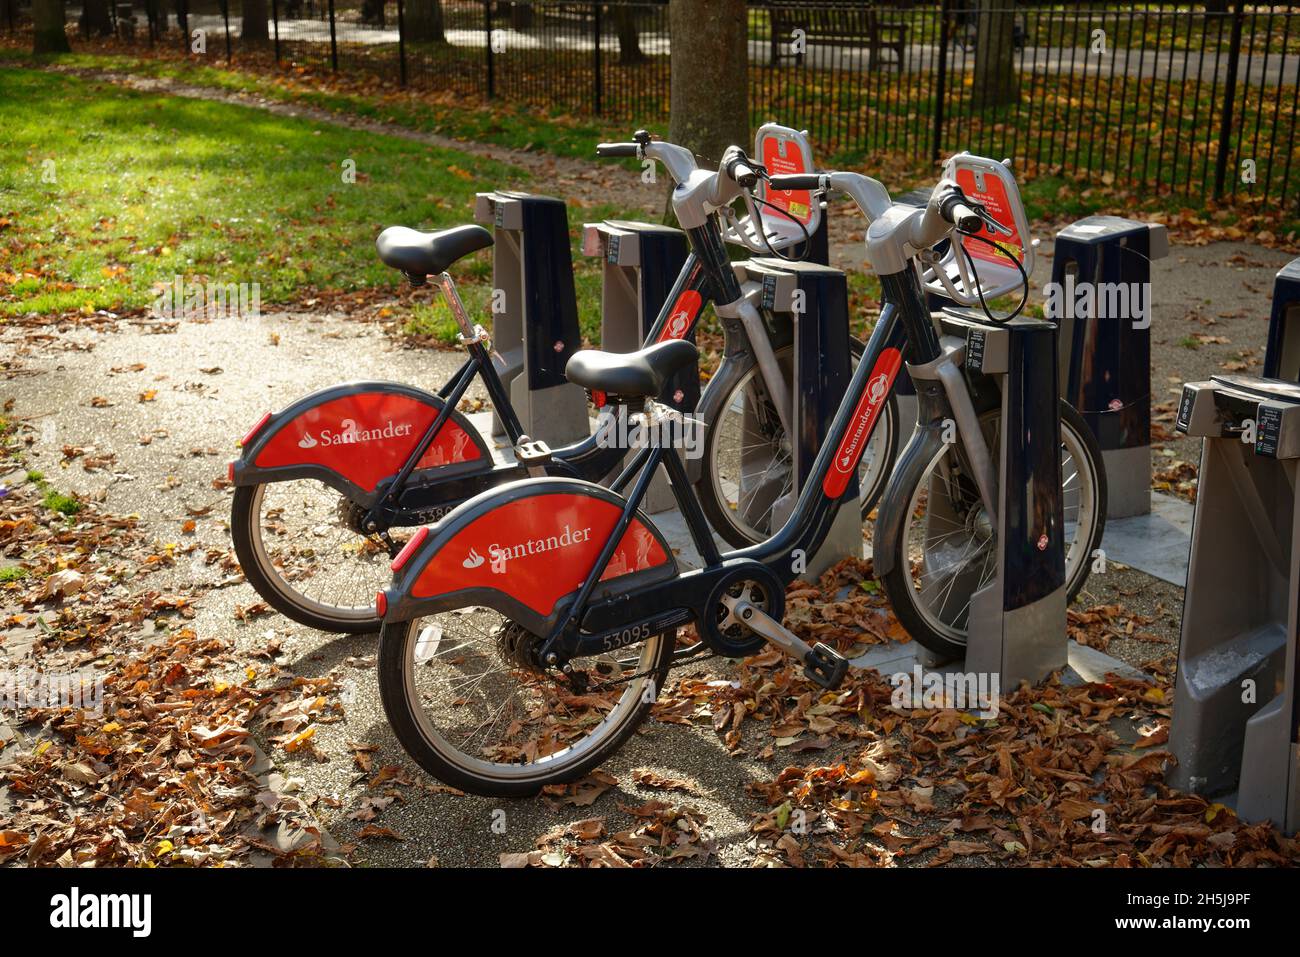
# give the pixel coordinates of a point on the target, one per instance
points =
(537, 550)
(365, 437)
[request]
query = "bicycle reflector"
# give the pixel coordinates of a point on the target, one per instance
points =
(381, 604)
(252, 433)
(409, 548)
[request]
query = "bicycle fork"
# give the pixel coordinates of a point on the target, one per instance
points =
(946, 370)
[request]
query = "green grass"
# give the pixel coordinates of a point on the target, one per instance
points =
(148, 187)
(523, 127)
(12, 573)
(53, 499)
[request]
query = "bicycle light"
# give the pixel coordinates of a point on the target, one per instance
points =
(409, 548)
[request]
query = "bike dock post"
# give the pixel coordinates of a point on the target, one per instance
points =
(1236, 721)
(641, 262)
(640, 265)
(1101, 298)
(808, 303)
(1282, 357)
(1017, 624)
(535, 313)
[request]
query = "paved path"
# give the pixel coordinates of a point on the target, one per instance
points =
(1209, 66)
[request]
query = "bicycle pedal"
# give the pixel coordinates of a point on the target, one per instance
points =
(534, 455)
(825, 666)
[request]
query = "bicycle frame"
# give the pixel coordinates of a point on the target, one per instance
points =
(585, 459)
(904, 326)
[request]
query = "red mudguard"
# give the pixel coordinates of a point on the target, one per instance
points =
(523, 547)
(354, 436)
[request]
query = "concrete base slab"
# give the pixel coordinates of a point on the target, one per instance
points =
(1128, 480)
(1158, 543)
(1085, 664)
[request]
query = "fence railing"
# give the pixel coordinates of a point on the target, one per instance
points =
(1196, 99)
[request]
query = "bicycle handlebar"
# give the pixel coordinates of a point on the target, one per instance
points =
(617, 150)
(955, 210)
(738, 168)
(788, 181)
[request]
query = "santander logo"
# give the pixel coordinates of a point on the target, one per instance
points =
(500, 554)
(349, 433)
(864, 418)
(474, 560)
(684, 310)
(877, 389)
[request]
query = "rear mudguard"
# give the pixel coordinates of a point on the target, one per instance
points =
(355, 437)
(522, 549)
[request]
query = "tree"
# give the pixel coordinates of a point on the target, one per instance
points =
(996, 81)
(183, 16)
(422, 21)
(50, 33)
(629, 37)
(96, 19)
(254, 32)
(709, 63)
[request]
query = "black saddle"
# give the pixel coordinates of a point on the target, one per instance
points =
(427, 254)
(641, 373)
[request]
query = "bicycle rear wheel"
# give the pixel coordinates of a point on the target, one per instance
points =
(467, 704)
(300, 549)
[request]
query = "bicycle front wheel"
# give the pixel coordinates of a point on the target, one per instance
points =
(946, 547)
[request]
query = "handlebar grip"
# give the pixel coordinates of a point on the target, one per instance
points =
(966, 219)
(788, 181)
(954, 209)
(736, 163)
(744, 175)
(617, 149)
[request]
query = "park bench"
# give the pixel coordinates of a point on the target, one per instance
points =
(857, 25)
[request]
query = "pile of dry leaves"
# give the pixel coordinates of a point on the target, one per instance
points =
(156, 765)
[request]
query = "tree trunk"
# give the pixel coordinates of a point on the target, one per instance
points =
(372, 12)
(96, 20)
(707, 92)
(629, 37)
(254, 31)
(183, 17)
(423, 21)
(48, 24)
(996, 81)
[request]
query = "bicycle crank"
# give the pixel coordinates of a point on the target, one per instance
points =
(821, 663)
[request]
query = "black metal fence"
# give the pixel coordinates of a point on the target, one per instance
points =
(1196, 99)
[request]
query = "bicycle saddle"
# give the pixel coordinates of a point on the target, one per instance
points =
(427, 254)
(640, 373)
